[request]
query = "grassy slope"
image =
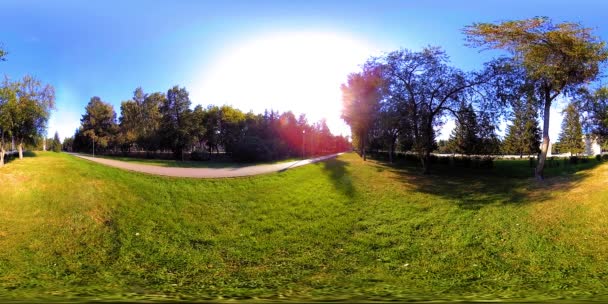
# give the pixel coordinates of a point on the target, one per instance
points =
(70, 227)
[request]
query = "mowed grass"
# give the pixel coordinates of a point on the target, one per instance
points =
(340, 229)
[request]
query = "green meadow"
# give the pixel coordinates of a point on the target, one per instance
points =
(339, 229)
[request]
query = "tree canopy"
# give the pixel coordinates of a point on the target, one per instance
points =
(557, 58)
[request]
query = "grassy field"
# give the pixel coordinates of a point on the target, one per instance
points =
(70, 228)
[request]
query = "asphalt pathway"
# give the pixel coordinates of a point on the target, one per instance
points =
(205, 172)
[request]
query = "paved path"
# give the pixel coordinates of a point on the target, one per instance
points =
(205, 172)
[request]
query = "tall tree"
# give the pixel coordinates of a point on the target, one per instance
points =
(488, 142)
(571, 136)
(98, 123)
(198, 125)
(212, 131)
(232, 122)
(464, 139)
(360, 103)
(56, 143)
(523, 134)
(556, 57)
(150, 122)
(176, 121)
(34, 103)
(129, 124)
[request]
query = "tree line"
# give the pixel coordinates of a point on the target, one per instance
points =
(400, 100)
(165, 122)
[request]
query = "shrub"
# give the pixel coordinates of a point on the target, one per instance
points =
(199, 155)
(574, 160)
(252, 149)
(598, 158)
(605, 157)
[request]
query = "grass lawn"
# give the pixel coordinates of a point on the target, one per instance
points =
(74, 229)
(189, 164)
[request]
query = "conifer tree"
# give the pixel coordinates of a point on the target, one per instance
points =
(464, 139)
(524, 134)
(571, 136)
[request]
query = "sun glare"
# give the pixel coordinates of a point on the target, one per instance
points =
(301, 72)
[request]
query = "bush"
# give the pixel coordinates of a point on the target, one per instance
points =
(199, 155)
(605, 157)
(252, 149)
(574, 160)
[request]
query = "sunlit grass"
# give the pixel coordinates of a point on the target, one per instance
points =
(338, 229)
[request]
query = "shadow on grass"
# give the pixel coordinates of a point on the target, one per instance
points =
(9, 159)
(339, 175)
(475, 188)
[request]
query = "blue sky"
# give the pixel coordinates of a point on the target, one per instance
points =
(221, 50)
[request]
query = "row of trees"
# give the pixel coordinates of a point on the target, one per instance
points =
(166, 122)
(523, 135)
(402, 98)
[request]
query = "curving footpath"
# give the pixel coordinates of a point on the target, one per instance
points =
(205, 172)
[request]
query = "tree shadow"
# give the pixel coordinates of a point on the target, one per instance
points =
(474, 189)
(13, 157)
(337, 170)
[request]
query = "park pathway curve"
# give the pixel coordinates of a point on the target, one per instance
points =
(205, 172)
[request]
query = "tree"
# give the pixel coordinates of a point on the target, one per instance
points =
(56, 143)
(556, 57)
(360, 102)
(425, 88)
(231, 124)
(8, 105)
(571, 137)
(176, 121)
(523, 134)
(150, 121)
(68, 144)
(129, 124)
(31, 112)
(595, 106)
(488, 142)
(464, 139)
(198, 125)
(98, 123)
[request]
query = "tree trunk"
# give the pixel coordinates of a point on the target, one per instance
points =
(539, 172)
(2, 155)
(363, 139)
(425, 158)
(390, 152)
(20, 147)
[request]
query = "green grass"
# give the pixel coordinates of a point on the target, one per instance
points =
(190, 164)
(74, 229)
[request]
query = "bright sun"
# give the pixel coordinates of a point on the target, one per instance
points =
(301, 72)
